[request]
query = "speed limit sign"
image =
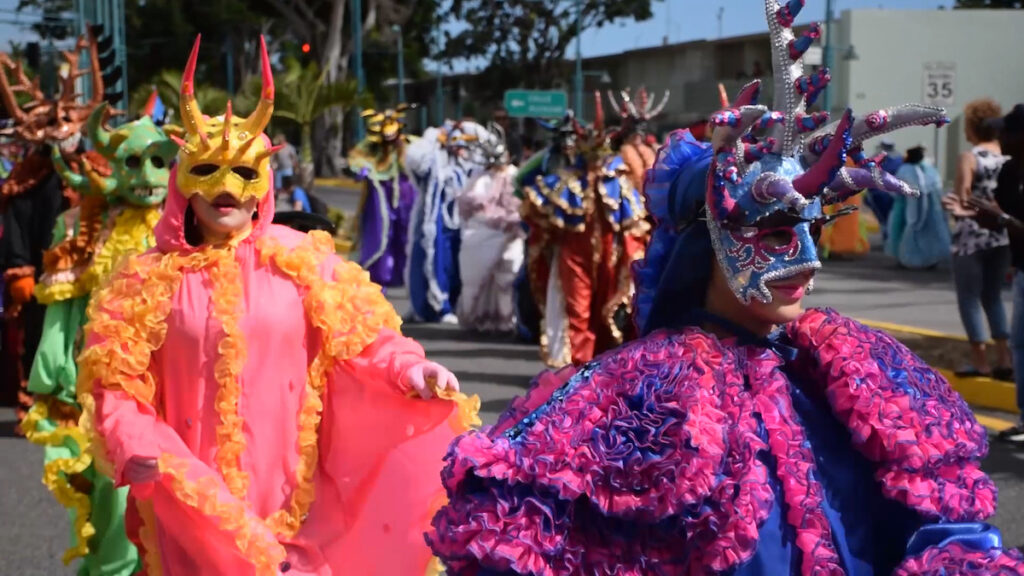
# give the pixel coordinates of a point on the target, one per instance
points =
(939, 88)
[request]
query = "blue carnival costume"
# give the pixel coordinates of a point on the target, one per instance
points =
(825, 448)
(441, 165)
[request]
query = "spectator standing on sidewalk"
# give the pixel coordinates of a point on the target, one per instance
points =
(981, 257)
(285, 160)
(1007, 213)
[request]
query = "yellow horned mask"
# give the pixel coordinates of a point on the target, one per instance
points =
(225, 154)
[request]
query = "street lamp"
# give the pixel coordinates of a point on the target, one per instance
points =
(397, 29)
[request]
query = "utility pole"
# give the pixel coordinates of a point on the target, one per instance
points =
(397, 28)
(827, 56)
(579, 59)
(439, 116)
(357, 40)
(721, 15)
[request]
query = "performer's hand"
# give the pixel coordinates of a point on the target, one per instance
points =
(140, 470)
(425, 377)
(21, 289)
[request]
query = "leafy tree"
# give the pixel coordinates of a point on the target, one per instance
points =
(304, 94)
(52, 25)
(525, 41)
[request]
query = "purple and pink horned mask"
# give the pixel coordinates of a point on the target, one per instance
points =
(775, 169)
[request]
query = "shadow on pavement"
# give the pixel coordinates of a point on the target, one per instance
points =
(877, 267)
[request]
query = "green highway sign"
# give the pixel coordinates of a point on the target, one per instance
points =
(536, 103)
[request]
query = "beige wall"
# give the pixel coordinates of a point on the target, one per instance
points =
(894, 45)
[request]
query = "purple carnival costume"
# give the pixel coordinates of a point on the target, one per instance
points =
(388, 198)
(823, 448)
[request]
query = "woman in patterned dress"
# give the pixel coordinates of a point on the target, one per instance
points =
(981, 258)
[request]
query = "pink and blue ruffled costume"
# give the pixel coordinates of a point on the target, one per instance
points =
(827, 448)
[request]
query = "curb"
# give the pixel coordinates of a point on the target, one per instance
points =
(979, 392)
(337, 182)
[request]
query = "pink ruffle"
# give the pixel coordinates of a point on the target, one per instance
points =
(903, 416)
(958, 560)
(646, 460)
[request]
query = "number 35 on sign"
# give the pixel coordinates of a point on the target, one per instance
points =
(939, 88)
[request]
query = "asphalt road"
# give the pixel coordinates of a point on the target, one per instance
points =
(34, 530)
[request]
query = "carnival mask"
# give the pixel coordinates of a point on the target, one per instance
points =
(635, 115)
(226, 154)
(774, 170)
(385, 127)
(457, 138)
(138, 154)
(489, 150)
(42, 120)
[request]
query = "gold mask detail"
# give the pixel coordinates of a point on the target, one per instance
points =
(226, 154)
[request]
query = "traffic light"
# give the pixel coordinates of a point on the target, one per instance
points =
(110, 69)
(305, 48)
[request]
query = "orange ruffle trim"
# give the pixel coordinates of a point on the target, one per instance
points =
(130, 314)
(201, 494)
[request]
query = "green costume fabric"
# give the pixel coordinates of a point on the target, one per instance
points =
(121, 205)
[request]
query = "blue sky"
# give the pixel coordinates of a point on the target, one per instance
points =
(685, 20)
(681, 20)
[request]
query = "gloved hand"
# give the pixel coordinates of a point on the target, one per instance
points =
(21, 289)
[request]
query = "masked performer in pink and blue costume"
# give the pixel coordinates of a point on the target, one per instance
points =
(740, 434)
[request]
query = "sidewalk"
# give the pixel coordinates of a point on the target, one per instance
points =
(919, 308)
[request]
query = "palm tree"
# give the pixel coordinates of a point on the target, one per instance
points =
(168, 86)
(304, 94)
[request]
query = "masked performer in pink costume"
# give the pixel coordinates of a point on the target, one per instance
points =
(739, 435)
(253, 389)
(491, 250)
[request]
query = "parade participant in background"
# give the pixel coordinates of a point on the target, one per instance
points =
(33, 196)
(441, 166)
(492, 240)
(881, 202)
(388, 196)
(122, 184)
(629, 141)
(740, 435)
(587, 226)
(918, 228)
(253, 389)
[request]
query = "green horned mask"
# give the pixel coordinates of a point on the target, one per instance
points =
(139, 154)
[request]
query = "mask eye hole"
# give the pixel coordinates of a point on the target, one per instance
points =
(246, 173)
(203, 169)
(133, 161)
(777, 238)
(157, 162)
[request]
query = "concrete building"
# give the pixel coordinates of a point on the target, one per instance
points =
(881, 58)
